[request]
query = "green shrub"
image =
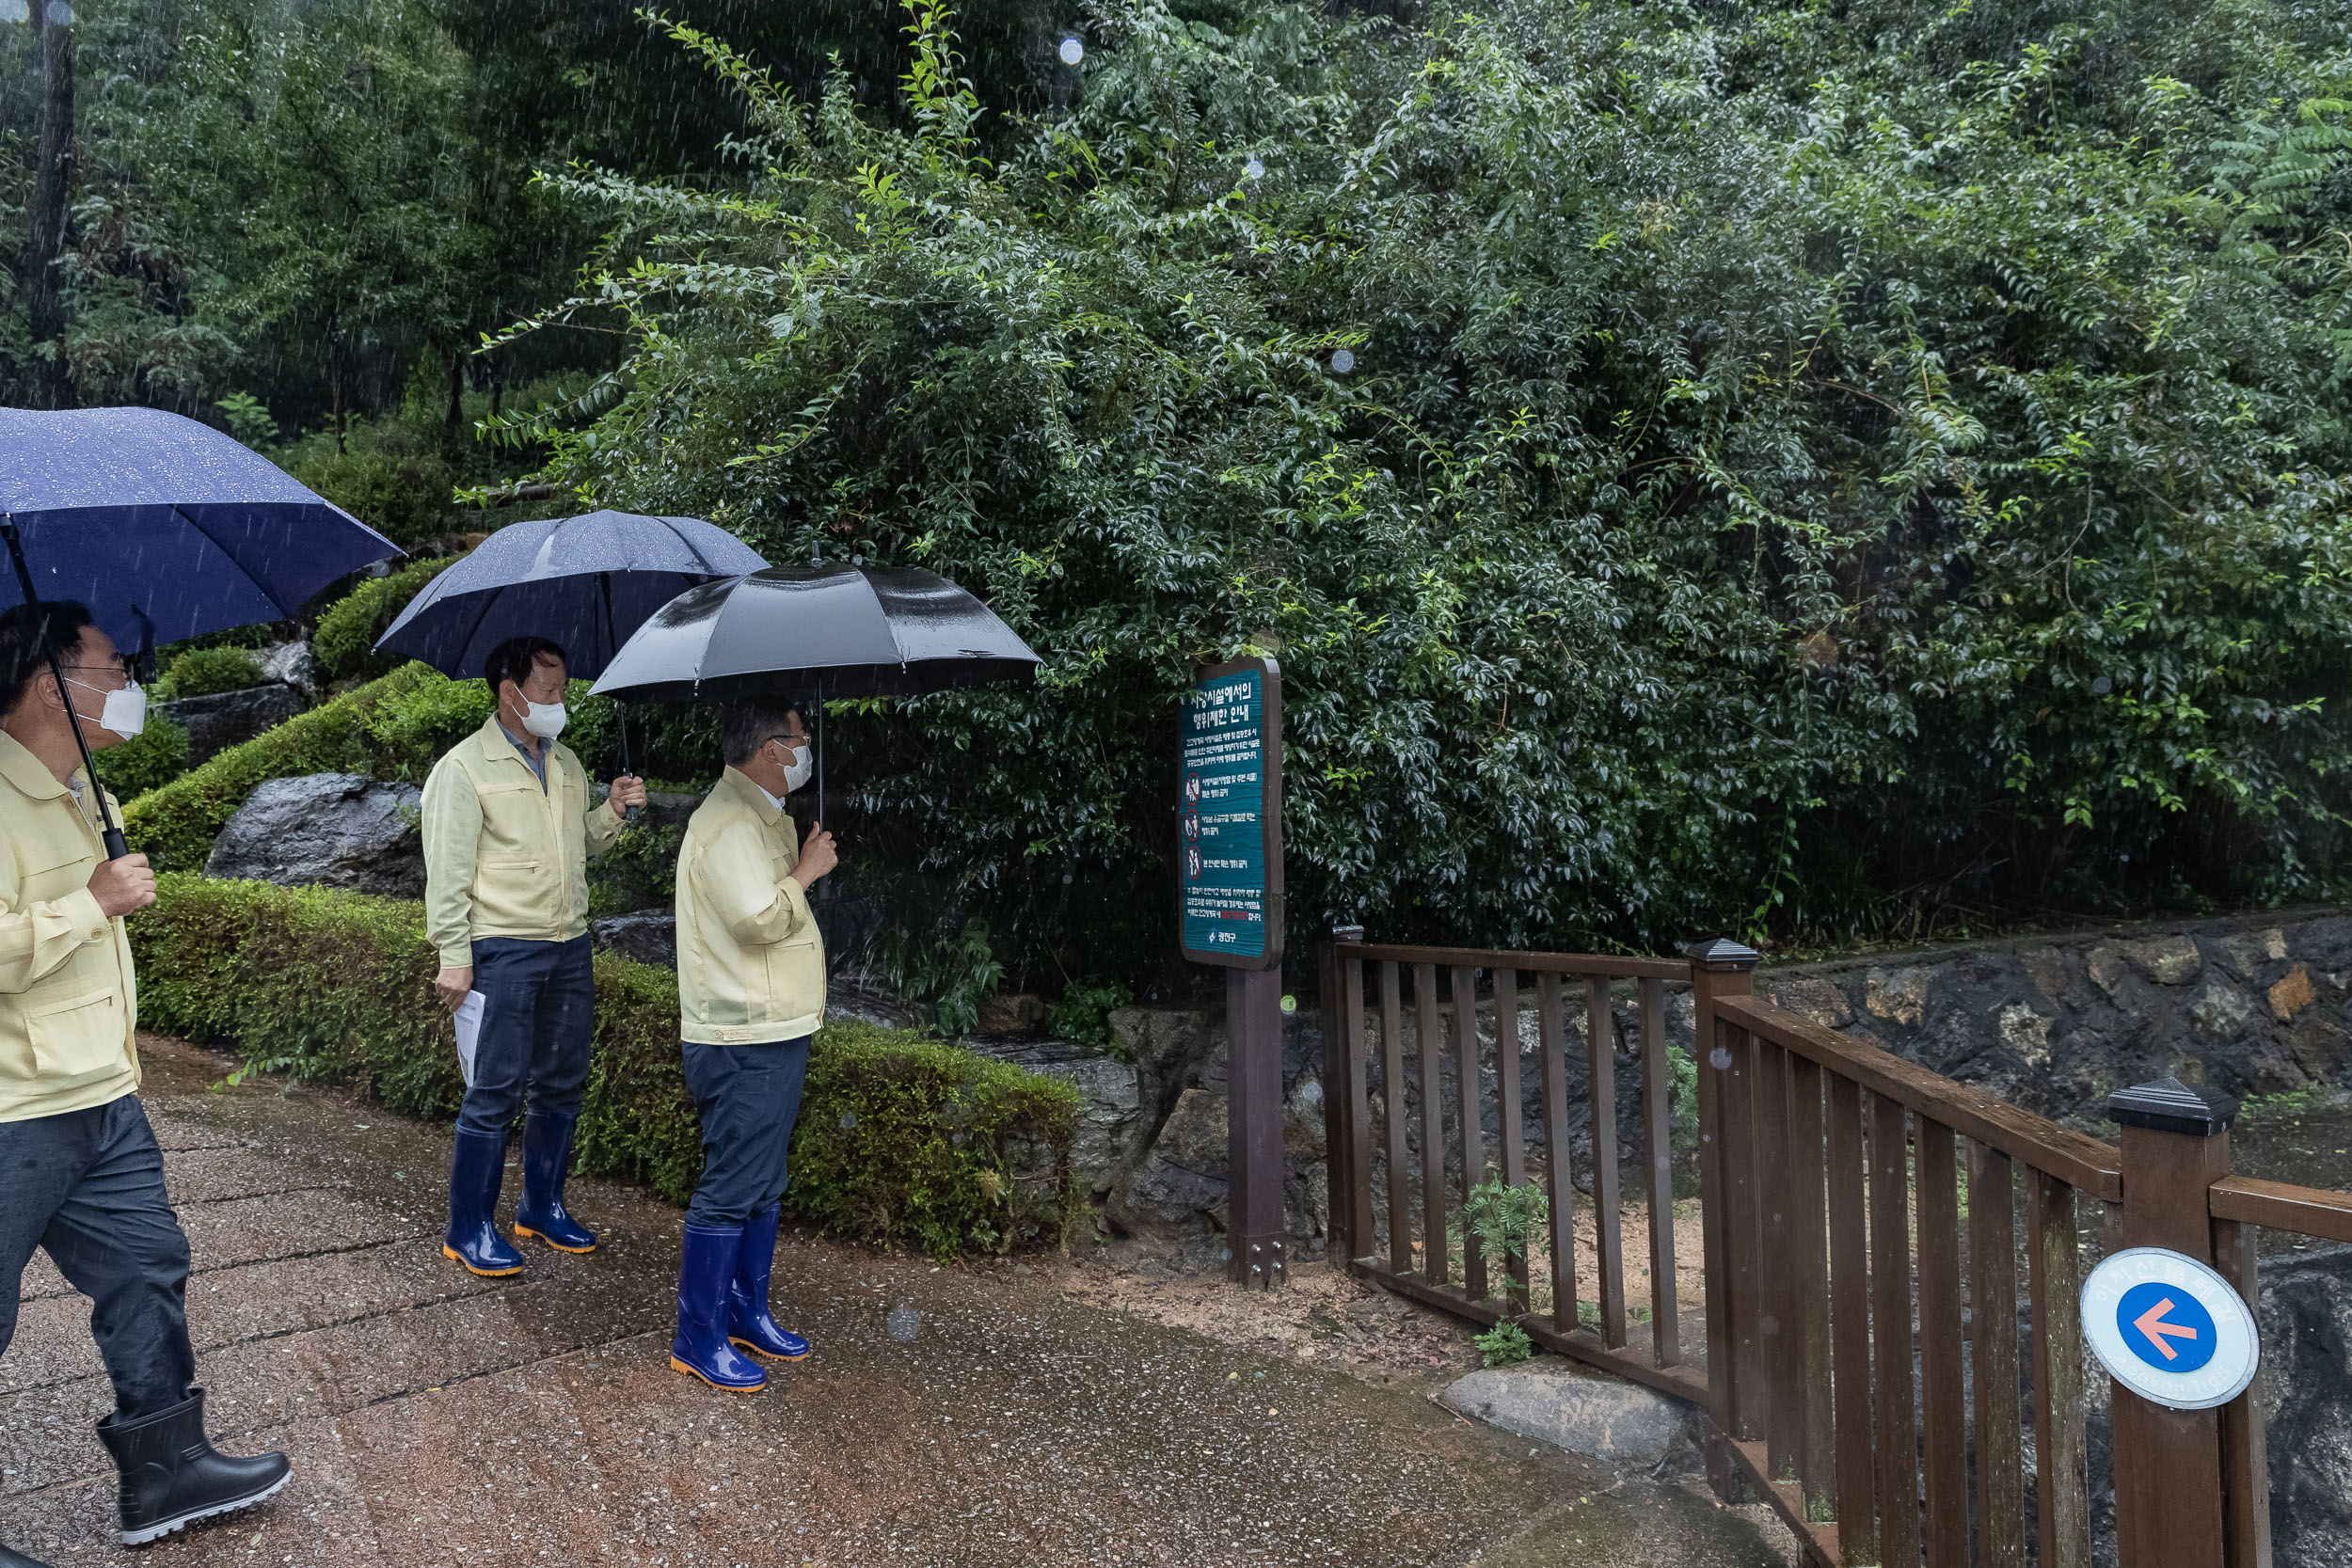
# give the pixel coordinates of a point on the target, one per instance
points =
(390, 473)
(900, 1138)
(1084, 1012)
(343, 642)
(156, 756)
(205, 671)
(1506, 1344)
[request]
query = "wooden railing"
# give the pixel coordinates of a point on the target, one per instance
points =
(1424, 1224)
(1867, 1225)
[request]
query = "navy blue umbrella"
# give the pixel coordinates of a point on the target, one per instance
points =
(586, 582)
(165, 528)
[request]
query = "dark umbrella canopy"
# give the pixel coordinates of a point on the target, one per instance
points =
(165, 528)
(838, 631)
(585, 582)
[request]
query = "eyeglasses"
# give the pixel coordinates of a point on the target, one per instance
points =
(121, 667)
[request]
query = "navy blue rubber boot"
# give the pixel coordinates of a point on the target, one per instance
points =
(749, 1322)
(702, 1347)
(540, 1213)
(476, 1167)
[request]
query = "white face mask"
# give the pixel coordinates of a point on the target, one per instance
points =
(798, 770)
(125, 713)
(544, 720)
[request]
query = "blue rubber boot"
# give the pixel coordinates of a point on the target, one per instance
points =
(702, 1347)
(540, 1213)
(749, 1322)
(476, 1167)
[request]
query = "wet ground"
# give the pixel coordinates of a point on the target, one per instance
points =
(434, 1418)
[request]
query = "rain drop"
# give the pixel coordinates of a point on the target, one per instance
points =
(15, 10)
(1720, 1059)
(1343, 361)
(2102, 686)
(1073, 51)
(60, 14)
(902, 1323)
(848, 1122)
(1255, 168)
(1290, 1004)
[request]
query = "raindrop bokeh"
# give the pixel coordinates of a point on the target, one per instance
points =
(902, 1323)
(1343, 361)
(1073, 51)
(1254, 168)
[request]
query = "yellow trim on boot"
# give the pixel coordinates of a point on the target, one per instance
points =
(769, 1353)
(450, 1253)
(524, 1233)
(677, 1366)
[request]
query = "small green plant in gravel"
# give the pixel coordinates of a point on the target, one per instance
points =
(1506, 1344)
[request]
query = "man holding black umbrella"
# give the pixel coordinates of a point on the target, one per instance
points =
(85, 1179)
(508, 832)
(751, 971)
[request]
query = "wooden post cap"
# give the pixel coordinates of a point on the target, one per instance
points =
(1722, 954)
(2168, 1105)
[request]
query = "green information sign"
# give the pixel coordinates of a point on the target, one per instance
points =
(1230, 818)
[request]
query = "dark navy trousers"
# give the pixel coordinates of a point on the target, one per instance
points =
(89, 1187)
(749, 1096)
(538, 1015)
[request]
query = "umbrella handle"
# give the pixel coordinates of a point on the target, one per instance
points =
(117, 847)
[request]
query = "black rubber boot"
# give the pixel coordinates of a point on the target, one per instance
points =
(171, 1475)
(17, 1559)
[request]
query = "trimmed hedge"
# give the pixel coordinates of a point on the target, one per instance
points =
(343, 642)
(207, 672)
(901, 1138)
(153, 758)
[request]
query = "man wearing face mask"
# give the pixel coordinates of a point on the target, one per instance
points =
(508, 832)
(80, 1172)
(750, 984)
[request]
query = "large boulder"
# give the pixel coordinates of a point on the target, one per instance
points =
(1110, 1108)
(325, 830)
(229, 719)
(293, 663)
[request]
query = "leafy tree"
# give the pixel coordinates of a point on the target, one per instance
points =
(1780, 486)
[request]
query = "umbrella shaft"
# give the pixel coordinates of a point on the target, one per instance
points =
(116, 846)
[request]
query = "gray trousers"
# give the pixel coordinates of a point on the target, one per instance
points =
(89, 1187)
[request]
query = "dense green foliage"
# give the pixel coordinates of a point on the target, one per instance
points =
(153, 758)
(901, 1139)
(345, 640)
(1798, 469)
(207, 671)
(1801, 471)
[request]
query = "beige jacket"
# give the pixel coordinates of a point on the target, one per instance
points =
(503, 858)
(751, 965)
(69, 1006)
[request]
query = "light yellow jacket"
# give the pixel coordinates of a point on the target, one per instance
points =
(503, 858)
(751, 966)
(69, 1006)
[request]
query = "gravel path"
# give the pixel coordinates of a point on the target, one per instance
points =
(434, 1417)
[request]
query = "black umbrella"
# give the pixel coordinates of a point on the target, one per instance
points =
(835, 631)
(586, 582)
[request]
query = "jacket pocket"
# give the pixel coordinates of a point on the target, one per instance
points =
(76, 1039)
(796, 979)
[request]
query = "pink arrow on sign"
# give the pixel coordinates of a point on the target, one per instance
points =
(2152, 1324)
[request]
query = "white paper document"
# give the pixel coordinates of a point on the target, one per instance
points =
(468, 1021)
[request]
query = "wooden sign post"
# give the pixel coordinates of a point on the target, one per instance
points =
(1228, 913)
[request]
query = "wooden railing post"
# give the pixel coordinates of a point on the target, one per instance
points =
(2168, 1507)
(1721, 968)
(1343, 1064)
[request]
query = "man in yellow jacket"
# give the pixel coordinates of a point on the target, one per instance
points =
(751, 985)
(508, 830)
(80, 1172)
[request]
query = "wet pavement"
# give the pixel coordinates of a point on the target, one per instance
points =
(434, 1418)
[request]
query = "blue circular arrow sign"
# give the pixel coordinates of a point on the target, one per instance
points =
(2164, 1326)
(2169, 1329)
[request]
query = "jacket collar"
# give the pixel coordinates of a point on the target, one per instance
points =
(750, 793)
(496, 745)
(26, 771)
